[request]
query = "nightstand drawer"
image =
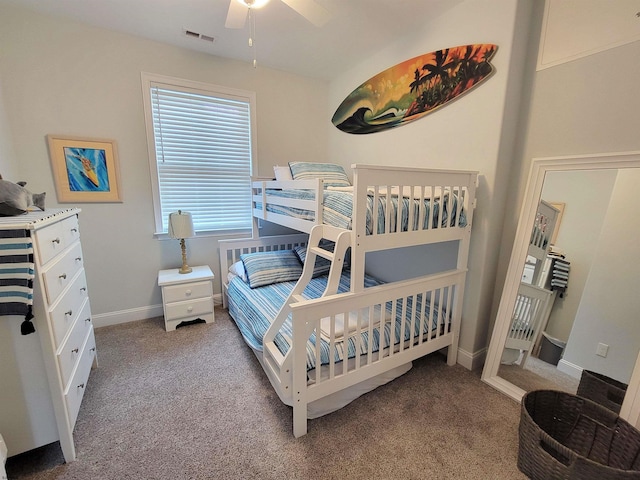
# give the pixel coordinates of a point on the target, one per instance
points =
(189, 308)
(55, 238)
(177, 293)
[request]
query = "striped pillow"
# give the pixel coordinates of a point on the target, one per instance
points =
(265, 268)
(332, 174)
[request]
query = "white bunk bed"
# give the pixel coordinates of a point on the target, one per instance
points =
(534, 301)
(369, 332)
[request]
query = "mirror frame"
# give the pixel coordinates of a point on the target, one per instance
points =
(539, 167)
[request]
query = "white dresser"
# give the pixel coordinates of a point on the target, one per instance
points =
(43, 375)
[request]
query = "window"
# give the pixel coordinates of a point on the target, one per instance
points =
(200, 140)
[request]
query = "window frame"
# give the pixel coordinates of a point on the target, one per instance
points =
(151, 79)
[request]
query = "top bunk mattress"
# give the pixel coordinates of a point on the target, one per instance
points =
(338, 209)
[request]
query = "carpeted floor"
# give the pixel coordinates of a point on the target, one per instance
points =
(195, 404)
(538, 375)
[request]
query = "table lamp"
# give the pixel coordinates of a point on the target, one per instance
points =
(181, 227)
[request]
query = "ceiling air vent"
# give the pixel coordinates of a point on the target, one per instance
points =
(193, 34)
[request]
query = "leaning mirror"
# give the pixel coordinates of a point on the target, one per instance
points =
(569, 301)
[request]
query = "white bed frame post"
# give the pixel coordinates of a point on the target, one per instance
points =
(462, 264)
(358, 222)
(299, 370)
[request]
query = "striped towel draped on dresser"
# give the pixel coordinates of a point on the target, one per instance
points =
(16, 276)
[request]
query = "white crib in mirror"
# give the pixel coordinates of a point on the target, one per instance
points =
(533, 301)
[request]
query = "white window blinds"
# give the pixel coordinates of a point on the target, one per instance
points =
(203, 156)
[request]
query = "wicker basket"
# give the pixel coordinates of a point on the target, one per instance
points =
(603, 390)
(563, 436)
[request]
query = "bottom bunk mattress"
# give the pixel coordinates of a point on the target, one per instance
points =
(253, 310)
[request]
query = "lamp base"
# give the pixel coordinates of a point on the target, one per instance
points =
(185, 268)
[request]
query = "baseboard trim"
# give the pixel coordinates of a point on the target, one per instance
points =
(126, 316)
(472, 361)
(135, 314)
(570, 369)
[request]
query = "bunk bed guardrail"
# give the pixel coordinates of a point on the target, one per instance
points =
(421, 317)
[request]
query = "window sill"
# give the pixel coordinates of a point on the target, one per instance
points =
(208, 233)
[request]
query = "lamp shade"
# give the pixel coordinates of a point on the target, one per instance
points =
(181, 225)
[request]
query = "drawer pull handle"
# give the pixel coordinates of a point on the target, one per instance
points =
(78, 259)
(75, 350)
(63, 276)
(83, 289)
(190, 309)
(81, 385)
(55, 240)
(188, 293)
(87, 320)
(92, 349)
(70, 312)
(75, 230)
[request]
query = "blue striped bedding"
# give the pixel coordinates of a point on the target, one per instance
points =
(16, 275)
(254, 309)
(338, 209)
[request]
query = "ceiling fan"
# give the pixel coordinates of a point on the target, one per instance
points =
(309, 9)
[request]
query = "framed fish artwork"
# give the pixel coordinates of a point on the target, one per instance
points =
(85, 170)
(414, 88)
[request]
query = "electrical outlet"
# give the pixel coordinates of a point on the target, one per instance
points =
(602, 349)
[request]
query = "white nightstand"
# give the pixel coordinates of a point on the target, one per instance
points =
(186, 296)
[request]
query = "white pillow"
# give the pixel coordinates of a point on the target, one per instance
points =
(237, 269)
(282, 173)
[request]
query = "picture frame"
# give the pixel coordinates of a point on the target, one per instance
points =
(85, 170)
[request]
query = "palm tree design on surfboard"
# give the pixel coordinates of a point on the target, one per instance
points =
(412, 89)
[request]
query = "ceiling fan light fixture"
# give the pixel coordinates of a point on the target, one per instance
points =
(253, 3)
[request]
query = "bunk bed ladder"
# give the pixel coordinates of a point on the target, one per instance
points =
(316, 248)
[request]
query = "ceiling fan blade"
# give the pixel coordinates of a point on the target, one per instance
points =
(311, 10)
(237, 15)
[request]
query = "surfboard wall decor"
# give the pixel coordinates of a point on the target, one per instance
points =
(412, 89)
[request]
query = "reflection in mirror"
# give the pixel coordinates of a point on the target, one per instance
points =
(569, 304)
(545, 275)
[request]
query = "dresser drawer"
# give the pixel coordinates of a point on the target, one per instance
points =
(69, 353)
(67, 308)
(55, 238)
(78, 384)
(189, 308)
(59, 274)
(177, 293)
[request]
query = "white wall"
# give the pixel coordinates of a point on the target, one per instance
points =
(476, 132)
(608, 312)
(62, 77)
(7, 157)
(586, 197)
